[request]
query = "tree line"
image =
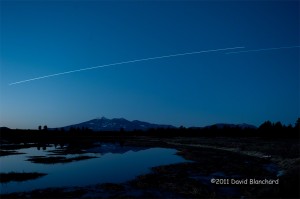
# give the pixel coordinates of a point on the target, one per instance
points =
(265, 130)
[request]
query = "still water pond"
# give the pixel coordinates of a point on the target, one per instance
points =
(113, 164)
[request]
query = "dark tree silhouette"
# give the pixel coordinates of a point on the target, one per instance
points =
(40, 127)
(297, 125)
(278, 126)
(266, 126)
(45, 128)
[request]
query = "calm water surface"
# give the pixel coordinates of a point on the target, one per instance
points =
(113, 164)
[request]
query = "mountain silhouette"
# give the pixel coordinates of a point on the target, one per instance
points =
(105, 124)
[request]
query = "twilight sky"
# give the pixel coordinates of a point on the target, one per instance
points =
(40, 38)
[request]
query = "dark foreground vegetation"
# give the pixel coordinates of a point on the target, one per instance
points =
(271, 151)
(267, 130)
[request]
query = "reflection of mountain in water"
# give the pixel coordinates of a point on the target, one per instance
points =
(104, 148)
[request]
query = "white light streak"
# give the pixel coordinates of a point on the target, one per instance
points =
(120, 63)
(262, 49)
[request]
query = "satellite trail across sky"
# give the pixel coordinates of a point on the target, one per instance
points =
(262, 49)
(125, 62)
(154, 58)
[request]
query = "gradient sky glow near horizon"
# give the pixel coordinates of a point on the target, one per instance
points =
(46, 37)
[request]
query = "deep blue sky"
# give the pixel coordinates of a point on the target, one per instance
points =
(41, 38)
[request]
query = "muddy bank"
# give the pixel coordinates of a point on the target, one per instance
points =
(8, 152)
(57, 159)
(19, 177)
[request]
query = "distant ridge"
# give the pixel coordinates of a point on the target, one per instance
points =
(105, 124)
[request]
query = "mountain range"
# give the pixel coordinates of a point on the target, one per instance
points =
(105, 124)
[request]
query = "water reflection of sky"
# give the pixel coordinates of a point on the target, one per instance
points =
(108, 167)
